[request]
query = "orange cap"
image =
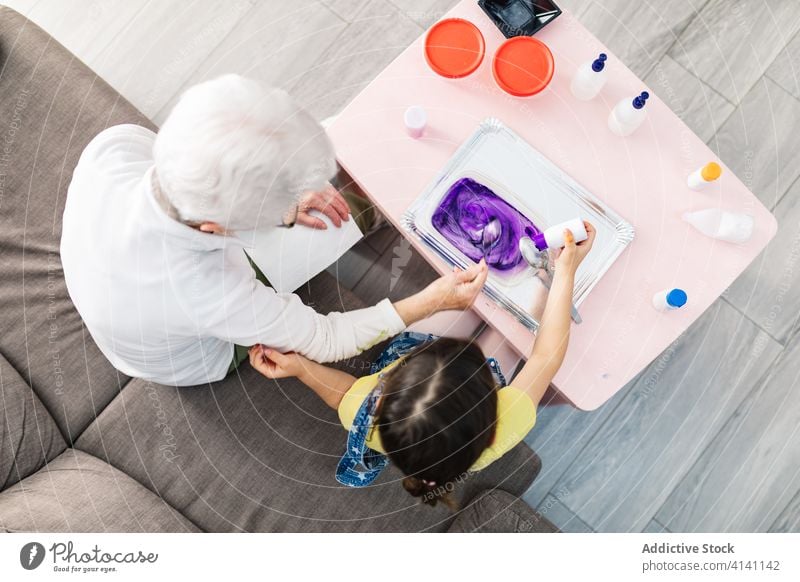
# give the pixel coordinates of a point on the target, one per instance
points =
(454, 47)
(711, 172)
(523, 66)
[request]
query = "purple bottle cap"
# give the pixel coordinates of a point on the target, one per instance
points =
(539, 241)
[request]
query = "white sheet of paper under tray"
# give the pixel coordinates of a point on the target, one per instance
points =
(501, 160)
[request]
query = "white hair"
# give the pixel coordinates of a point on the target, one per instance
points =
(239, 153)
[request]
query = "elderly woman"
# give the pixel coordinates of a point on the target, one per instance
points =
(156, 226)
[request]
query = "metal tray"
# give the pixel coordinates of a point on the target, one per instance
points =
(498, 158)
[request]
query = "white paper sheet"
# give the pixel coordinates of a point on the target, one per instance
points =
(289, 257)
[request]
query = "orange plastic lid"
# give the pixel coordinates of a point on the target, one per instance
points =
(454, 47)
(523, 66)
(711, 171)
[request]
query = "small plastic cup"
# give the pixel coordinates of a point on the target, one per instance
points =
(454, 48)
(523, 66)
(415, 119)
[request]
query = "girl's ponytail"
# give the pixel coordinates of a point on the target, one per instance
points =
(430, 492)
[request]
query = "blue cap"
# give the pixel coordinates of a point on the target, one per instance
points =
(639, 101)
(599, 63)
(676, 298)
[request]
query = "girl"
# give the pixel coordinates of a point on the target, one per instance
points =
(436, 407)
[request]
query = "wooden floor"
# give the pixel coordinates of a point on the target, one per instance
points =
(705, 439)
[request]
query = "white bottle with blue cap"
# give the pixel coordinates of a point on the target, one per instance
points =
(669, 299)
(590, 78)
(628, 115)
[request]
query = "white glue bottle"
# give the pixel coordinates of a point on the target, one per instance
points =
(415, 119)
(706, 175)
(628, 115)
(669, 299)
(589, 78)
(732, 227)
(553, 237)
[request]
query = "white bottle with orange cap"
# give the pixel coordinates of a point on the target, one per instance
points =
(553, 237)
(706, 175)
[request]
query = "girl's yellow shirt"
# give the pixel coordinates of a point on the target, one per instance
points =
(516, 415)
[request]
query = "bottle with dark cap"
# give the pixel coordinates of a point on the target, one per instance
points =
(628, 115)
(590, 78)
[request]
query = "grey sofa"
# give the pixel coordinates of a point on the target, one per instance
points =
(84, 448)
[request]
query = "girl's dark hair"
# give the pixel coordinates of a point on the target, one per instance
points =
(437, 415)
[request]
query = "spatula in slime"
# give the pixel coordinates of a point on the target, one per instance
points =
(490, 236)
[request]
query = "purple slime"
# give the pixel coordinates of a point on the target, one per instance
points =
(464, 213)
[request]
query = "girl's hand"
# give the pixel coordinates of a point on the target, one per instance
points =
(572, 254)
(274, 364)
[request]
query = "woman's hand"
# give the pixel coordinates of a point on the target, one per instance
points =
(329, 384)
(458, 289)
(329, 202)
(572, 254)
(274, 364)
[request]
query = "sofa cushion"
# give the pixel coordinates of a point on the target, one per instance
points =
(28, 436)
(77, 492)
(51, 105)
(249, 454)
(500, 512)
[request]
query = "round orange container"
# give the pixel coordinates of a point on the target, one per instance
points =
(454, 48)
(523, 66)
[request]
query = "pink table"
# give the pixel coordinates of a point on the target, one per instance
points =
(642, 177)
